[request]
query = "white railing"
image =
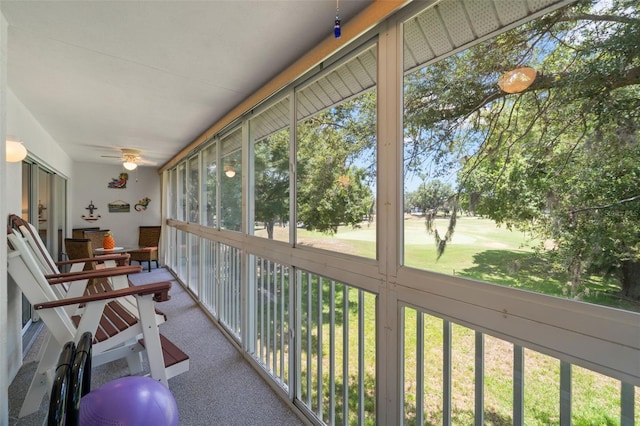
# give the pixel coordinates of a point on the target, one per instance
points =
(336, 324)
(454, 356)
(455, 375)
(209, 293)
(272, 318)
(229, 270)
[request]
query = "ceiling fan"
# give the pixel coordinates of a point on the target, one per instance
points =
(130, 158)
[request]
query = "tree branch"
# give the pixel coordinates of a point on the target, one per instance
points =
(628, 77)
(606, 206)
(571, 17)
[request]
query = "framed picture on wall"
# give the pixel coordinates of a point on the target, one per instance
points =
(119, 206)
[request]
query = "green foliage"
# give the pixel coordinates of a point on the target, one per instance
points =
(558, 160)
(271, 176)
(430, 195)
(336, 165)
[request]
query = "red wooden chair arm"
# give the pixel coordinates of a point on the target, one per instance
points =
(141, 290)
(120, 257)
(97, 273)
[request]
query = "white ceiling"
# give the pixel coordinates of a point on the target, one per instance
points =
(152, 75)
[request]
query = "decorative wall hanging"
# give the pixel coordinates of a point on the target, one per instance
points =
(142, 204)
(119, 206)
(91, 218)
(119, 182)
(337, 30)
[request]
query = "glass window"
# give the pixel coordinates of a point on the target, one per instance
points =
(210, 177)
(270, 134)
(231, 181)
(44, 207)
(194, 190)
(336, 158)
(172, 209)
(60, 205)
(182, 191)
(521, 154)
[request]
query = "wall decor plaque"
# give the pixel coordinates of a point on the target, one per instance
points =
(119, 206)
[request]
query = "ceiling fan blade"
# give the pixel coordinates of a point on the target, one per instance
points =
(111, 156)
(146, 162)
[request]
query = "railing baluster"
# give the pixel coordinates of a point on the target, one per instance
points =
(309, 348)
(419, 368)
(345, 356)
(260, 285)
(296, 333)
(212, 277)
(227, 278)
(274, 320)
(227, 287)
(268, 326)
(446, 373)
(565, 393)
(479, 379)
(283, 330)
(217, 279)
(235, 301)
(238, 290)
(319, 384)
(361, 389)
(518, 385)
(332, 353)
(627, 403)
(403, 362)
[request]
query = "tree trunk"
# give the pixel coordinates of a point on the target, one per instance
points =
(631, 279)
(575, 273)
(270, 229)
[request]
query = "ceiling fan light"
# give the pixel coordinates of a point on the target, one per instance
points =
(229, 171)
(15, 151)
(129, 165)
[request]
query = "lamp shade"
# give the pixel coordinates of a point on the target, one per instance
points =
(129, 165)
(15, 151)
(517, 80)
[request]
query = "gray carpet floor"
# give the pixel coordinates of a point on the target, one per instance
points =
(220, 388)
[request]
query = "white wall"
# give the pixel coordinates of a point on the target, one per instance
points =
(40, 145)
(5, 342)
(14, 296)
(91, 184)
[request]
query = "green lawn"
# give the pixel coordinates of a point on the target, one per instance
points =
(595, 398)
(482, 251)
(479, 250)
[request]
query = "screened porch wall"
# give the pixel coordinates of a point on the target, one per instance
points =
(304, 314)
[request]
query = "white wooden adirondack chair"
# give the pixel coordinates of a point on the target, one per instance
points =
(50, 267)
(112, 342)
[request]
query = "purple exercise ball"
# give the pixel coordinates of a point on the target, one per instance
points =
(129, 401)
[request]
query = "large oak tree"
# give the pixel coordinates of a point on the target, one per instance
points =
(560, 158)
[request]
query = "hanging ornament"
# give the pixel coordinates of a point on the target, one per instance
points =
(337, 31)
(91, 218)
